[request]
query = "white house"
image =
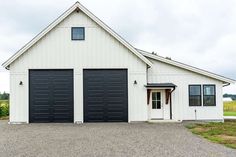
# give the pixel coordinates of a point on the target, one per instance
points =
(227, 99)
(79, 70)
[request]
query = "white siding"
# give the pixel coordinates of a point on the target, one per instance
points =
(57, 51)
(165, 73)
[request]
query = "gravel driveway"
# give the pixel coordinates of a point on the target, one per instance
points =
(105, 139)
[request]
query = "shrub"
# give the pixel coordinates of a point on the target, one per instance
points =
(4, 110)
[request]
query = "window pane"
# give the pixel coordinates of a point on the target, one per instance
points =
(195, 101)
(154, 96)
(209, 101)
(78, 33)
(154, 104)
(195, 90)
(158, 104)
(158, 96)
(209, 90)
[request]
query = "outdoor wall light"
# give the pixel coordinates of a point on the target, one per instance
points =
(21, 83)
(135, 82)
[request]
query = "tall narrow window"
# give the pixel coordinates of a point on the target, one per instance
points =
(195, 95)
(77, 33)
(156, 100)
(209, 96)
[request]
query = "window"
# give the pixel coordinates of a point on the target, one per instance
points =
(209, 96)
(77, 33)
(156, 100)
(195, 95)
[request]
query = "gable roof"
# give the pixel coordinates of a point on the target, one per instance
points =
(187, 67)
(75, 7)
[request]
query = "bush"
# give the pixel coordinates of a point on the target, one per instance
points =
(4, 110)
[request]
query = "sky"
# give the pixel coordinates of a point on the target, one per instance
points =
(200, 33)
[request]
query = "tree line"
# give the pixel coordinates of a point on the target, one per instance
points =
(4, 96)
(232, 96)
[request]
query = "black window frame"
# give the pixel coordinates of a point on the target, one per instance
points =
(76, 28)
(209, 95)
(198, 85)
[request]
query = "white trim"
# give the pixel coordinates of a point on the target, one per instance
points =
(61, 18)
(18, 123)
(187, 67)
(164, 121)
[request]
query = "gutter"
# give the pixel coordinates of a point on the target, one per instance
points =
(227, 84)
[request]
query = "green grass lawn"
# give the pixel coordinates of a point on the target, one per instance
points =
(223, 133)
(229, 113)
(230, 108)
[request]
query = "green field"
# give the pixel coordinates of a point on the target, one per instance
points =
(230, 108)
(3, 102)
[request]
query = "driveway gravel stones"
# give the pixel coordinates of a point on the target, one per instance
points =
(106, 139)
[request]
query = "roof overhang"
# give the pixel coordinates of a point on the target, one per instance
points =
(76, 7)
(223, 79)
(160, 86)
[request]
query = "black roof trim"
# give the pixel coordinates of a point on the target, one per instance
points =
(160, 85)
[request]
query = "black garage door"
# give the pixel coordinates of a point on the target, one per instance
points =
(51, 96)
(105, 96)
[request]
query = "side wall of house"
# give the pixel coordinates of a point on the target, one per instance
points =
(56, 50)
(165, 73)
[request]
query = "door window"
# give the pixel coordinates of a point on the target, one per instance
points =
(156, 100)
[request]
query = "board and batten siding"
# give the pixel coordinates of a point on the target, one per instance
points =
(56, 50)
(165, 73)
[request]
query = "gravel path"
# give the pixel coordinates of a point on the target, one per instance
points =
(105, 139)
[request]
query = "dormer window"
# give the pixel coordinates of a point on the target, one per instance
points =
(77, 33)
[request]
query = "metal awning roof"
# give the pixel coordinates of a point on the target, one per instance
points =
(160, 85)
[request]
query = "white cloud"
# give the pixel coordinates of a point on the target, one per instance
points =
(197, 32)
(4, 82)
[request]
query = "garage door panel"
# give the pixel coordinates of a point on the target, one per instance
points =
(41, 103)
(115, 110)
(115, 95)
(115, 99)
(41, 97)
(42, 109)
(105, 95)
(40, 80)
(41, 91)
(62, 107)
(61, 87)
(51, 96)
(95, 99)
(95, 107)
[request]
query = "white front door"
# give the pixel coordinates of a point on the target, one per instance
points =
(156, 105)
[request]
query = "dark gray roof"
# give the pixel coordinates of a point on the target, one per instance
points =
(161, 85)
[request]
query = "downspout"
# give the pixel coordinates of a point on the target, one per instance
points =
(171, 102)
